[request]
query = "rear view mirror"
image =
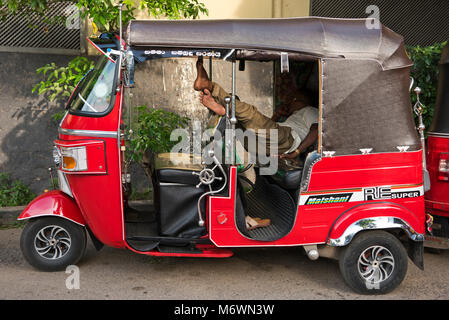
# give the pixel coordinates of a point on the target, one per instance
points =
(412, 82)
(129, 69)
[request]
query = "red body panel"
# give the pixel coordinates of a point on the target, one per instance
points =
(99, 193)
(378, 209)
(353, 173)
(107, 123)
(437, 198)
(96, 155)
(315, 223)
(53, 203)
(207, 251)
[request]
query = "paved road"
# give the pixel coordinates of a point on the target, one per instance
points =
(250, 274)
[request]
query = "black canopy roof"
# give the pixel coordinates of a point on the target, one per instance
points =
(320, 37)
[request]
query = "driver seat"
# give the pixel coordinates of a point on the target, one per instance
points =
(176, 195)
(177, 168)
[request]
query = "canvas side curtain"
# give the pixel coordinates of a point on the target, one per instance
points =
(365, 107)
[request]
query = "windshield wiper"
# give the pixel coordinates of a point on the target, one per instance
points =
(86, 103)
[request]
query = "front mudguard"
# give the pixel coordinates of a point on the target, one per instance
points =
(53, 203)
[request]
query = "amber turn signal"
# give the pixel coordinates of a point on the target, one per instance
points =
(68, 163)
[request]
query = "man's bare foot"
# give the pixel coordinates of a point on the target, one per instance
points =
(209, 102)
(202, 79)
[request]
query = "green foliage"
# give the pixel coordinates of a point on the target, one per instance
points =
(61, 81)
(153, 130)
(105, 13)
(140, 195)
(15, 6)
(425, 72)
(13, 193)
(173, 9)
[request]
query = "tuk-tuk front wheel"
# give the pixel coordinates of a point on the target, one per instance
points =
(52, 244)
(375, 262)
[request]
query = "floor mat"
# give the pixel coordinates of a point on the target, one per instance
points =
(269, 201)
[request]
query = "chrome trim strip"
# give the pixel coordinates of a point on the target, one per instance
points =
(64, 184)
(438, 134)
(63, 118)
(373, 224)
(88, 133)
(173, 184)
(50, 215)
(311, 159)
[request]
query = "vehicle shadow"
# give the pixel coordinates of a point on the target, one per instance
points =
(27, 129)
(28, 144)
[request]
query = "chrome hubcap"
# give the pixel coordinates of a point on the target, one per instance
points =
(52, 242)
(376, 264)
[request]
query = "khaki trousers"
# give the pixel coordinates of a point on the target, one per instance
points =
(252, 119)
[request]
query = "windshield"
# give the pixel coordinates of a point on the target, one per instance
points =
(95, 90)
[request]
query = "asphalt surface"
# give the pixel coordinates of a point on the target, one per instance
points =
(284, 273)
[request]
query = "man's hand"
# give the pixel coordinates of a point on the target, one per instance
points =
(310, 139)
(290, 156)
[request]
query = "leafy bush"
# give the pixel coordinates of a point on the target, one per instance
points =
(61, 81)
(13, 193)
(425, 72)
(153, 130)
(105, 13)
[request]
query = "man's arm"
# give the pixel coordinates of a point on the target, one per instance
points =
(310, 139)
(287, 109)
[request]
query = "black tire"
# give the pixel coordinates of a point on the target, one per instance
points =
(368, 242)
(64, 254)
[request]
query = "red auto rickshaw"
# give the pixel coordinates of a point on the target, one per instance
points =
(358, 197)
(437, 162)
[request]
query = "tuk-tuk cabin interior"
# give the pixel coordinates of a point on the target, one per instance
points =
(273, 197)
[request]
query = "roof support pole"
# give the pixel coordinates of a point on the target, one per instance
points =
(210, 68)
(231, 121)
(233, 118)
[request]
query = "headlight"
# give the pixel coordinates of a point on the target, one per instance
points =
(57, 156)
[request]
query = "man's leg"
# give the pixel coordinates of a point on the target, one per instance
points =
(248, 115)
(252, 119)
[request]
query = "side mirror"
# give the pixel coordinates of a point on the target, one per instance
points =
(129, 69)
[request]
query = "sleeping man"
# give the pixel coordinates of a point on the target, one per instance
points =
(298, 132)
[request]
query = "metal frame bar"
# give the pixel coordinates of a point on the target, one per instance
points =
(233, 119)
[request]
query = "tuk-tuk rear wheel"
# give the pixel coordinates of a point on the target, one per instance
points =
(375, 262)
(52, 243)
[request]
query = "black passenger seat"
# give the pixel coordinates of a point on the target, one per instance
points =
(288, 176)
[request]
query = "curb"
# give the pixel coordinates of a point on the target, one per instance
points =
(8, 215)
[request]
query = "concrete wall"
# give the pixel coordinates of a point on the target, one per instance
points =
(168, 84)
(235, 9)
(27, 129)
